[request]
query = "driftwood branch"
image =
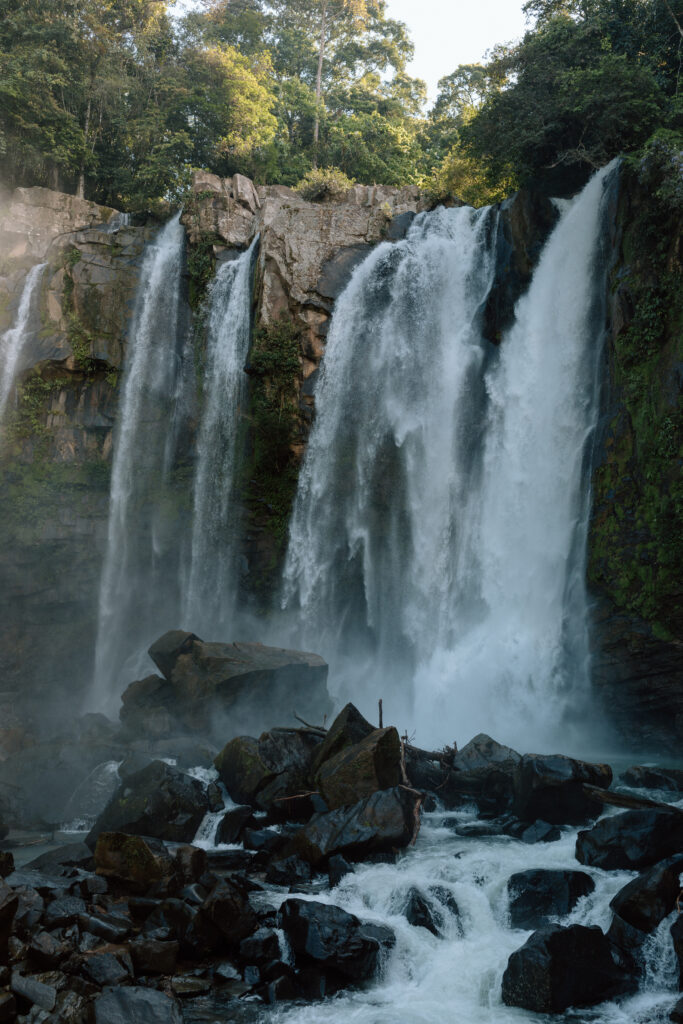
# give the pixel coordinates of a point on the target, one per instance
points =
(612, 799)
(297, 796)
(314, 728)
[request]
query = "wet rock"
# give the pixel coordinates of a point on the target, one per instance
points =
(228, 909)
(676, 1014)
(190, 864)
(160, 801)
(63, 911)
(190, 985)
(362, 769)
(338, 867)
(152, 957)
(381, 823)
(628, 939)
(348, 728)
(632, 840)
(8, 1008)
(165, 651)
(330, 937)
(71, 1008)
(561, 967)
(129, 858)
(29, 909)
(6, 863)
(265, 840)
(538, 894)
(280, 989)
(261, 947)
(484, 772)
(419, 913)
(46, 951)
(109, 928)
(551, 788)
(136, 1006)
(232, 823)
(104, 969)
(242, 769)
(534, 832)
(147, 709)
(35, 992)
(289, 871)
(648, 899)
(9, 903)
(215, 798)
(642, 777)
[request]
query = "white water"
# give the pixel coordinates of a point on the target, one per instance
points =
(210, 592)
(13, 341)
(456, 978)
(439, 529)
(134, 596)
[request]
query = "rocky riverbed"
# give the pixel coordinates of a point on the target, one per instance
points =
(342, 864)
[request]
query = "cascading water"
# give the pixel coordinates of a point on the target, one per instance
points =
(210, 592)
(13, 341)
(138, 588)
(439, 530)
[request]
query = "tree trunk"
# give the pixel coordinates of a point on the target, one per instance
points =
(80, 191)
(319, 82)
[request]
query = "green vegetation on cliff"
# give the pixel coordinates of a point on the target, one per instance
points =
(636, 548)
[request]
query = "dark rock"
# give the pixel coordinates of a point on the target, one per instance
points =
(561, 967)
(362, 769)
(336, 273)
(165, 651)
(263, 839)
(648, 899)
(381, 823)
(398, 226)
(71, 1008)
(483, 771)
(34, 991)
(330, 937)
(536, 832)
(46, 951)
(93, 885)
(8, 1008)
(228, 910)
(242, 770)
(676, 1014)
(642, 777)
(632, 840)
(337, 868)
(214, 797)
(129, 858)
(538, 894)
(419, 913)
(677, 938)
(289, 871)
(104, 969)
(147, 710)
(160, 801)
(150, 957)
(280, 989)
(551, 788)
(315, 985)
(111, 929)
(6, 863)
(348, 728)
(424, 771)
(190, 985)
(136, 1006)
(63, 911)
(232, 823)
(9, 904)
(626, 937)
(381, 933)
(261, 947)
(29, 909)
(190, 864)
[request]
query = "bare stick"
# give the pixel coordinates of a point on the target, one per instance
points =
(297, 796)
(381, 720)
(316, 728)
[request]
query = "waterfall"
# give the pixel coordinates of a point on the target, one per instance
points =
(437, 545)
(138, 587)
(13, 341)
(211, 588)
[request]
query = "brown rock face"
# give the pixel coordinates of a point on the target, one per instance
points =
(362, 769)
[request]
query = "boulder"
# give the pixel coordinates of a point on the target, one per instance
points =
(63, 911)
(137, 862)
(328, 936)
(648, 899)
(9, 902)
(105, 969)
(361, 769)
(641, 777)
(289, 871)
(348, 728)
(151, 956)
(242, 769)
(418, 912)
(538, 894)
(676, 1014)
(561, 967)
(159, 801)
(550, 788)
(382, 822)
(6, 863)
(228, 910)
(483, 772)
(34, 991)
(632, 840)
(677, 938)
(146, 708)
(232, 823)
(136, 1006)
(214, 682)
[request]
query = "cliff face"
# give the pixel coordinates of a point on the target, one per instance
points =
(56, 451)
(635, 566)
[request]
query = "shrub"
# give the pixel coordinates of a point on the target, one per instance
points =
(323, 183)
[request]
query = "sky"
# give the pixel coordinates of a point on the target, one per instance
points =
(447, 33)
